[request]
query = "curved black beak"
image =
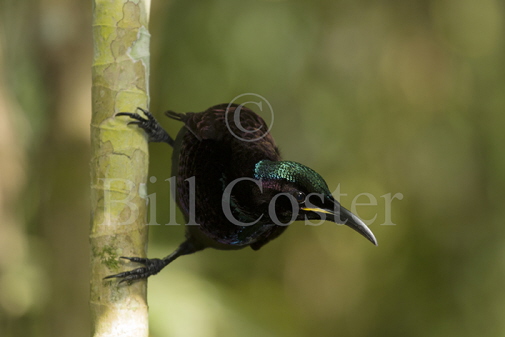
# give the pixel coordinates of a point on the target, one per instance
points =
(341, 215)
(351, 220)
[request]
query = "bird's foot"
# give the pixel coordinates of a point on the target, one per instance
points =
(152, 267)
(150, 125)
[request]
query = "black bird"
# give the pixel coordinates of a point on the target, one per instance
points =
(244, 195)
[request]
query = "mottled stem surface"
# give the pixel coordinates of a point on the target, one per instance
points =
(119, 162)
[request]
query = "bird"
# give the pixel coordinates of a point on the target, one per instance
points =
(243, 194)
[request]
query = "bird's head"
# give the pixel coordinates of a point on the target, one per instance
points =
(296, 192)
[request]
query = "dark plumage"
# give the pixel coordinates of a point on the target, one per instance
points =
(238, 176)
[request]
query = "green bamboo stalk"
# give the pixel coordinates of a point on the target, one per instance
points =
(119, 165)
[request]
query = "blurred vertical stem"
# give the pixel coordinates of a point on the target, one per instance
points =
(119, 164)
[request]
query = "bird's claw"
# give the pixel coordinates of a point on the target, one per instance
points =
(149, 124)
(143, 122)
(152, 267)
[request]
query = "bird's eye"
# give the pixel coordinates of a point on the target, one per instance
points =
(300, 196)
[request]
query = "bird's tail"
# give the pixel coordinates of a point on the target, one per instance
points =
(176, 115)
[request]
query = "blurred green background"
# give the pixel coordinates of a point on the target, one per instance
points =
(378, 96)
